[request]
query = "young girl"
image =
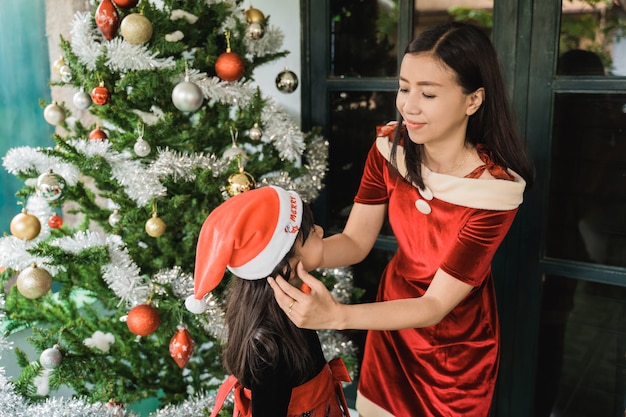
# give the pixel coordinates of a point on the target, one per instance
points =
(277, 369)
(450, 175)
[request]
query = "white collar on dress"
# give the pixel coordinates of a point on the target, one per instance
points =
(488, 193)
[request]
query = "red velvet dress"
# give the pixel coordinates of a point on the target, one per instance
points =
(455, 224)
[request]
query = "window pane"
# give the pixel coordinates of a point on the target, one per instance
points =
(581, 364)
(598, 27)
(363, 38)
(354, 117)
(430, 12)
(586, 218)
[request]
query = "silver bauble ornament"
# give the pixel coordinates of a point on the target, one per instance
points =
(54, 114)
(255, 30)
(286, 81)
(141, 147)
(187, 96)
(136, 29)
(255, 132)
(235, 152)
(51, 357)
(115, 217)
(66, 73)
(33, 282)
(82, 100)
(50, 186)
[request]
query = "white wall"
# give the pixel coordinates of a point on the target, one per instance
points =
(286, 16)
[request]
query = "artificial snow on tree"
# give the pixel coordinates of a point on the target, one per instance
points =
(107, 297)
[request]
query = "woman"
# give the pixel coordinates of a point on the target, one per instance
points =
(450, 175)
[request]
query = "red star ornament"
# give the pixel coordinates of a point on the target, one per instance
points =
(181, 346)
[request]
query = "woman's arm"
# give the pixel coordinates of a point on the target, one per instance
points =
(319, 310)
(356, 240)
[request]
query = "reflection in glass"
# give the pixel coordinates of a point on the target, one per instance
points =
(363, 38)
(430, 12)
(586, 217)
(354, 117)
(581, 363)
(596, 26)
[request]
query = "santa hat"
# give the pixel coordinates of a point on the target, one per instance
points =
(249, 234)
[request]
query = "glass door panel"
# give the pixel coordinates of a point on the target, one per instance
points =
(598, 27)
(363, 40)
(586, 218)
(581, 362)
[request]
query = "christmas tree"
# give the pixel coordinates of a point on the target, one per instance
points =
(171, 125)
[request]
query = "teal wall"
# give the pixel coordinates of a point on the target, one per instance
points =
(24, 77)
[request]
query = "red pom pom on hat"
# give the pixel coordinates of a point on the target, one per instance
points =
(249, 234)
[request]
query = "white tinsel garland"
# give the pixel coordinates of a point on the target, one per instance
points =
(88, 45)
(270, 42)
(24, 158)
(121, 274)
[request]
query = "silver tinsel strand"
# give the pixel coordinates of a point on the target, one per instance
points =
(88, 45)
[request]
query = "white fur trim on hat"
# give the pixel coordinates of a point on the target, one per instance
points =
(285, 233)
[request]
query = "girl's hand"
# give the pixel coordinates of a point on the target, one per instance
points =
(313, 307)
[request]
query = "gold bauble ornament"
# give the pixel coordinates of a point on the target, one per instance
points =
(33, 282)
(25, 226)
(58, 63)
(254, 15)
(155, 226)
(240, 182)
(136, 29)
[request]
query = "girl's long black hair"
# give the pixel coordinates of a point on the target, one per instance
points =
(467, 50)
(259, 331)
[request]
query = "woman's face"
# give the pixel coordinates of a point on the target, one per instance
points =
(311, 253)
(431, 102)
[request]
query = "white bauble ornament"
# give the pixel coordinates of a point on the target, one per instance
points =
(115, 217)
(195, 306)
(255, 132)
(82, 100)
(51, 357)
(187, 96)
(141, 147)
(54, 114)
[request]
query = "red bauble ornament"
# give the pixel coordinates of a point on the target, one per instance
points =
(126, 4)
(143, 320)
(55, 221)
(98, 134)
(181, 346)
(100, 95)
(107, 19)
(229, 66)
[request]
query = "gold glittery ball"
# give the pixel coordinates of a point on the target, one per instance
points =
(155, 226)
(136, 29)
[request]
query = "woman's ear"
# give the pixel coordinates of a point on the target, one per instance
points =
(474, 101)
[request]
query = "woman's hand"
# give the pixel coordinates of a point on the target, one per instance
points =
(315, 310)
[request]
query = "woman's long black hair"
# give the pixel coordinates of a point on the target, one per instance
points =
(259, 331)
(467, 50)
